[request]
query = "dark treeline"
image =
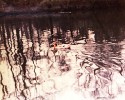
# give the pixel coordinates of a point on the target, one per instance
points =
(58, 5)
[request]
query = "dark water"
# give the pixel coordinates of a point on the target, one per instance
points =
(25, 41)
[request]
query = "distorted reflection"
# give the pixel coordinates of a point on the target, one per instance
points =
(63, 56)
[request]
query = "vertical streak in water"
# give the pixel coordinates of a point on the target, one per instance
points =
(3, 86)
(51, 26)
(71, 27)
(10, 41)
(31, 36)
(21, 55)
(39, 42)
(7, 31)
(7, 53)
(20, 52)
(101, 26)
(39, 38)
(26, 29)
(85, 30)
(58, 32)
(1, 41)
(0, 37)
(14, 42)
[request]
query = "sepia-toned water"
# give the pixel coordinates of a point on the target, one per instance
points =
(63, 56)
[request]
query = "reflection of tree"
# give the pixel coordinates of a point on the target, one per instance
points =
(51, 27)
(8, 54)
(22, 58)
(83, 32)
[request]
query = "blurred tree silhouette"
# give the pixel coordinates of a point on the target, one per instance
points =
(63, 4)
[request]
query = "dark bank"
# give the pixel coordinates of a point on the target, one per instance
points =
(58, 5)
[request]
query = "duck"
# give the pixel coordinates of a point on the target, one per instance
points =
(54, 49)
(57, 47)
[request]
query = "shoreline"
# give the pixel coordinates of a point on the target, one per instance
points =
(46, 12)
(55, 6)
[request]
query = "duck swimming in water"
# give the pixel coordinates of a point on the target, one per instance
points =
(60, 47)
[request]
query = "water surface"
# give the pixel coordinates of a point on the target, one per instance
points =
(63, 56)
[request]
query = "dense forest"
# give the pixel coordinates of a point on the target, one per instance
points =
(58, 5)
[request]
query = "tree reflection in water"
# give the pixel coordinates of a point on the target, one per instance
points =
(92, 59)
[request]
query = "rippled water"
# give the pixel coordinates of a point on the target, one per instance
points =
(78, 56)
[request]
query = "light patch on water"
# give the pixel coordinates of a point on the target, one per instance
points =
(71, 94)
